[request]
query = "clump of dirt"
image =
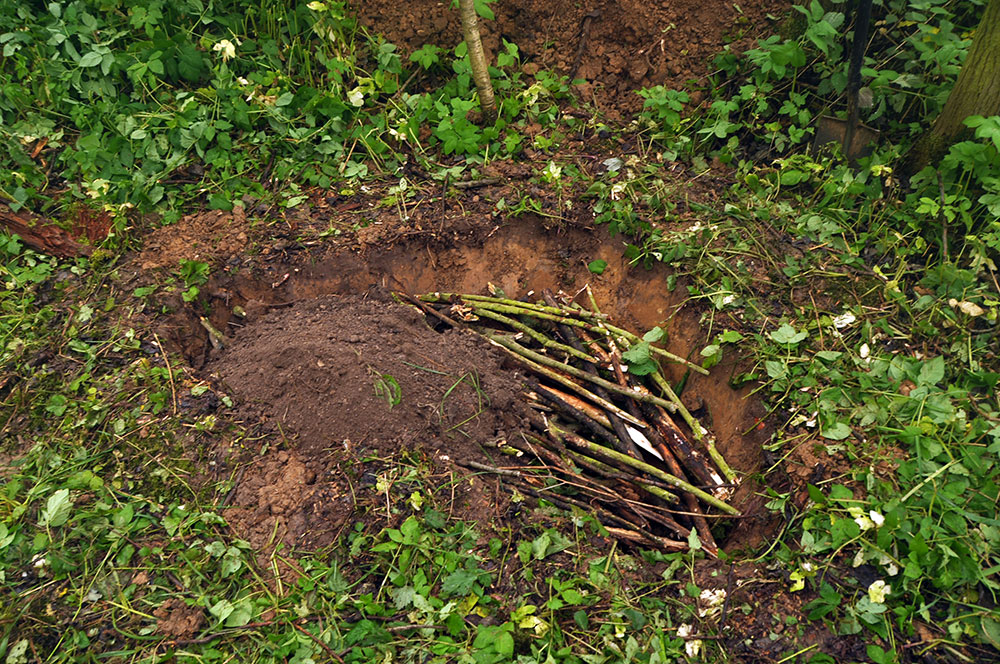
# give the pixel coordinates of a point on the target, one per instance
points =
(617, 47)
(345, 379)
(177, 620)
(205, 236)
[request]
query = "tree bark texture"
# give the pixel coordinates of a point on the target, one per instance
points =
(976, 92)
(477, 59)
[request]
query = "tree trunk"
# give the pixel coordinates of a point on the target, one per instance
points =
(477, 59)
(976, 92)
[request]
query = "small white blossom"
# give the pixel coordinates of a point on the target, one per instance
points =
(316, 6)
(693, 646)
(97, 188)
(356, 97)
(878, 591)
(226, 48)
(712, 601)
(876, 518)
(843, 320)
(613, 164)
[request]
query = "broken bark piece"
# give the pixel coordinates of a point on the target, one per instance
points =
(41, 234)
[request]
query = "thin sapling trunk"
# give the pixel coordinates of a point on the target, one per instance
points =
(477, 59)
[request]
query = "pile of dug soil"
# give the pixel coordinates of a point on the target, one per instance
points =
(345, 379)
(617, 47)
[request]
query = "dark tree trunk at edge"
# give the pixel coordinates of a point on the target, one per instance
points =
(976, 92)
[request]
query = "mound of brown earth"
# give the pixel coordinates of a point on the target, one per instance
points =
(617, 47)
(345, 379)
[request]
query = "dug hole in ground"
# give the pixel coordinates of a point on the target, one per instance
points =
(342, 387)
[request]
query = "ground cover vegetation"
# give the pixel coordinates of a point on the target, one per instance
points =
(865, 305)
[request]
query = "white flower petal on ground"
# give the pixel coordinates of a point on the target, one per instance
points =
(843, 320)
(878, 591)
(226, 48)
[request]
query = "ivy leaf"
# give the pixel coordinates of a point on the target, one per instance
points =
(991, 630)
(786, 334)
(91, 59)
(504, 644)
(241, 615)
(654, 335)
(483, 9)
(730, 337)
(931, 372)
(459, 582)
(838, 431)
(57, 509)
(598, 266)
(222, 609)
(190, 63)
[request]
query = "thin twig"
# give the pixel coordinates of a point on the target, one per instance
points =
(404, 628)
(476, 184)
(489, 469)
(327, 649)
(170, 372)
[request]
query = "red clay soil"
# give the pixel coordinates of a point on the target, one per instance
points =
(616, 47)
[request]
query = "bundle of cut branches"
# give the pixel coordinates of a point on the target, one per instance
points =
(611, 439)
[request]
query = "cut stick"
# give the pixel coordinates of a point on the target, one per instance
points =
(628, 442)
(566, 381)
(608, 520)
(699, 432)
(534, 334)
(592, 321)
(451, 297)
(586, 407)
(520, 351)
(693, 460)
(672, 480)
(590, 424)
(611, 472)
(668, 457)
